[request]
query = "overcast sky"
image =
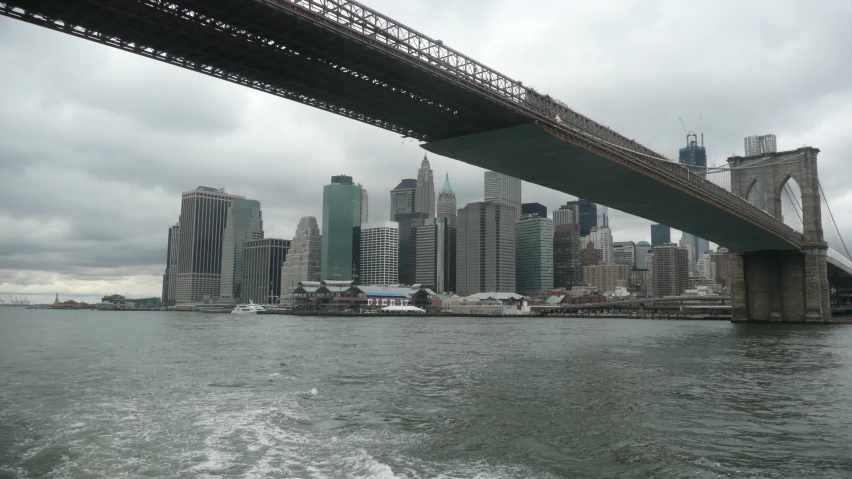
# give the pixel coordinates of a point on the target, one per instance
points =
(97, 144)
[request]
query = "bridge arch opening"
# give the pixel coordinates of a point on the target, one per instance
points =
(756, 195)
(790, 199)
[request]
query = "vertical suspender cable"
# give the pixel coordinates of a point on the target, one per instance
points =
(832, 220)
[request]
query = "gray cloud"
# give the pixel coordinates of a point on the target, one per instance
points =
(98, 144)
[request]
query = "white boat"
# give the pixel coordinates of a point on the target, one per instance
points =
(250, 308)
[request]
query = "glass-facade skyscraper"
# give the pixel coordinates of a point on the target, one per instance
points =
(585, 213)
(660, 235)
(341, 213)
(244, 223)
(694, 156)
(533, 255)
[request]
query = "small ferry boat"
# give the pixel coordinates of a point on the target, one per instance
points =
(250, 308)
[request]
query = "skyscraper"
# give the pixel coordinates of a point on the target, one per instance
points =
(693, 156)
(244, 223)
(365, 205)
(585, 213)
(203, 214)
(261, 279)
(567, 250)
(624, 252)
(170, 276)
(485, 251)
(503, 189)
(603, 216)
(760, 144)
(341, 213)
(670, 273)
(564, 216)
(533, 255)
(447, 202)
(303, 257)
(407, 245)
(642, 249)
(700, 246)
(436, 254)
(403, 198)
(379, 253)
(534, 209)
(425, 201)
(602, 239)
(660, 235)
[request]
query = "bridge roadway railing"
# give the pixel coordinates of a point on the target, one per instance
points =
(385, 31)
(839, 260)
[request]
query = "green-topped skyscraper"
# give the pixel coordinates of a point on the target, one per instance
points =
(341, 214)
(447, 202)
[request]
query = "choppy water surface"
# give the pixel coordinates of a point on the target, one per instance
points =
(185, 395)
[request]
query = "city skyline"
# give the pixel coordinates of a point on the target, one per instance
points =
(194, 130)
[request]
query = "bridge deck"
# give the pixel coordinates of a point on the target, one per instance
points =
(532, 154)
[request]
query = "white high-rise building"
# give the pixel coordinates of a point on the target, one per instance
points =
(203, 214)
(303, 261)
(244, 223)
(503, 189)
(563, 216)
(425, 192)
(760, 144)
(379, 253)
(601, 238)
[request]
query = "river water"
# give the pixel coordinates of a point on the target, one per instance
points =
(88, 394)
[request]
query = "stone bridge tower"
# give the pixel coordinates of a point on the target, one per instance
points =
(781, 285)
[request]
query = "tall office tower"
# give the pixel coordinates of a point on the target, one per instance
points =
(602, 239)
(447, 202)
(263, 259)
(649, 265)
(244, 223)
(203, 214)
(699, 246)
(303, 258)
(534, 209)
(436, 255)
(564, 216)
(760, 144)
(660, 235)
(670, 270)
(603, 216)
(379, 253)
(642, 249)
(170, 276)
(533, 255)
(606, 277)
(624, 252)
(694, 157)
(585, 213)
(341, 213)
(407, 244)
(402, 198)
(567, 250)
(485, 250)
(589, 255)
(721, 268)
(503, 189)
(365, 205)
(425, 201)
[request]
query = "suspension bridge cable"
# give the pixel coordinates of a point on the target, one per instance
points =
(832, 219)
(793, 201)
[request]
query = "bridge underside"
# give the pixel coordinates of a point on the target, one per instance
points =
(282, 49)
(532, 154)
